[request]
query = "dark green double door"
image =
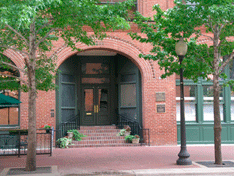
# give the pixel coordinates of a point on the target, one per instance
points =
(95, 105)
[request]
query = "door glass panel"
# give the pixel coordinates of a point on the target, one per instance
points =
(95, 80)
(95, 68)
(128, 95)
(128, 78)
(103, 99)
(88, 97)
(67, 114)
(68, 78)
(68, 95)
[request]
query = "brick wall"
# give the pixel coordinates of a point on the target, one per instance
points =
(162, 126)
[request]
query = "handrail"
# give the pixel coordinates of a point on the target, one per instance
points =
(135, 128)
(71, 123)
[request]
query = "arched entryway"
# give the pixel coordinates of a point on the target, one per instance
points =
(97, 84)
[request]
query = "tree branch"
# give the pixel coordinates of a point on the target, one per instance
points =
(16, 77)
(45, 37)
(20, 35)
(220, 42)
(208, 37)
(210, 24)
(46, 24)
(226, 62)
(13, 66)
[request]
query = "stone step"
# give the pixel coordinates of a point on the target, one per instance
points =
(99, 131)
(102, 138)
(104, 145)
(100, 134)
(118, 141)
(97, 127)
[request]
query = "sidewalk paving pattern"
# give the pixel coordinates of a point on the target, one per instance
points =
(127, 161)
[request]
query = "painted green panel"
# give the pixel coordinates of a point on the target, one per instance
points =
(232, 133)
(224, 133)
(178, 133)
(192, 134)
(208, 133)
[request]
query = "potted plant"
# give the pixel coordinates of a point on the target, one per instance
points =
(70, 134)
(125, 131)
(63, 142)
(46, 127)
(129, 138)
(136, 140)
(17, 131)
(122, 132)
(76, 135)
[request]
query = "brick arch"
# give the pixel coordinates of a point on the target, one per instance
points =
(120, 46)
(16, 58)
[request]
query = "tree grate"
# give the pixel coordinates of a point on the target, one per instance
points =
(22, 171)
(212, 164)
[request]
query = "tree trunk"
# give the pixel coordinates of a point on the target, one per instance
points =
(216, 86)
(31, 65)
(217, 122)
(32, 142)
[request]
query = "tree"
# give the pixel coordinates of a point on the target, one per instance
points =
(212, 19)
(29, 28)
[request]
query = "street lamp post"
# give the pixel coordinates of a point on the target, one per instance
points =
(181, 50)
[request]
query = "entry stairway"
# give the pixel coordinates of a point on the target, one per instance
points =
(100, 136)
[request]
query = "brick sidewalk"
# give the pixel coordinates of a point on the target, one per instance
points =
(118, 158)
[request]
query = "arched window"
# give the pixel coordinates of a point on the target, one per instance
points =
(9, 113)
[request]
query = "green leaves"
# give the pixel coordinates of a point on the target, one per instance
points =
(186, 20)
(30, 28)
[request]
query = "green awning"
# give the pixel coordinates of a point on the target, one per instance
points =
(7, 100)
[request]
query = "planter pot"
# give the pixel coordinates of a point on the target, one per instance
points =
(47, 130)
(135, 141)
(127, 133)
(16, 132)
(70, 135)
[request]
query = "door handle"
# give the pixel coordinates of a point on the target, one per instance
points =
(95, 108)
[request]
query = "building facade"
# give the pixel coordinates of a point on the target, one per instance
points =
(110, 77)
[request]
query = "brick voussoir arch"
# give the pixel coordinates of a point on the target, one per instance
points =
(122, 47)
(15, 57)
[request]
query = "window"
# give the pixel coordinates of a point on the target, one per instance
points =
(9, 114)
(208, 103)
(199, 101)
(232, 105)
(189, 103)
(128, 95)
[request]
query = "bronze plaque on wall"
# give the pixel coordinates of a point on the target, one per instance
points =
(160, 96)
(160, 108)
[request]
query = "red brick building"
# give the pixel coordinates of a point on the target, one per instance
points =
(110, 76)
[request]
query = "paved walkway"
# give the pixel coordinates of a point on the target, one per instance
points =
(129, 160)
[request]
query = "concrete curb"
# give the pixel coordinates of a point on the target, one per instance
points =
(184, 171)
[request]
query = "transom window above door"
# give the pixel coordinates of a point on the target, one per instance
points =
(95, 68)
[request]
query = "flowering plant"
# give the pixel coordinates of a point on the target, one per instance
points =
(46, 126)
(127, 128)
(137, 136)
